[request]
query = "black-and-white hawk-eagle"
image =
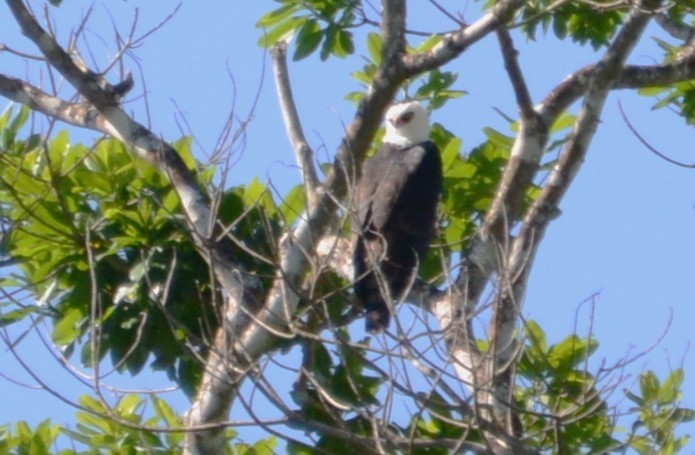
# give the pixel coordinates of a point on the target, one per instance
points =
(395, 214)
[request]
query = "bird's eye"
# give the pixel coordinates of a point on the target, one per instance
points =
(407, 117)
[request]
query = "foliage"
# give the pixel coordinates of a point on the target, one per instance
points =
(434, 87)
(581, 22)
(679, 96)
(317, 23)
(660, 413)
(115, 428)
(95, 233)
(22, 439)
(99, 239)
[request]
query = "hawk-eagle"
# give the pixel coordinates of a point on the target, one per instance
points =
(395, 212)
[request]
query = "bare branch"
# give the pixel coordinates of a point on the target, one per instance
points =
(255, 336)
(82, 115)
(516, 76)
(88, 83)
(631, 77)
(648, 145)
(302, 151)
(455, 43)
(518, 174)
(673, 28)
(115, 122)
(444, 11)
(603, 78)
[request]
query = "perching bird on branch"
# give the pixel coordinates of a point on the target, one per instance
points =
(395, 212)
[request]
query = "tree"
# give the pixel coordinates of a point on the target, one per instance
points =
(135, 250)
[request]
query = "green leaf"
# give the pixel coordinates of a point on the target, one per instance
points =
(564, 121)
(536, 336)
(128, 405)
(257, 194)
(455, 231)
(294, 448)
(277, 15)
(451, 152)
(94, 422)
(344, 45)
(355, 97)
(498, 138)
(429, 43)
(67, 328)
(281, 32)
(633, 397)
(184, 147)
(649, 386)
(264, 447)
(682, 415)
(164, 411)
(652, 91)
(570, 351)
(374, 47)
(17, 315)
(19, 121)
(308, 39)
(293, 204)
(670, 390)
(462, 169)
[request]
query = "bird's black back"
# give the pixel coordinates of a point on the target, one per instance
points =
(396, 211)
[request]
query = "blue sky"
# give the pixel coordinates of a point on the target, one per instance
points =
(625, 234)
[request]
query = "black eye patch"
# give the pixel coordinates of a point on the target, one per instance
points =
(407, 117)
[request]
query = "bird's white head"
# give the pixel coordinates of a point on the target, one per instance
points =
(407, 124)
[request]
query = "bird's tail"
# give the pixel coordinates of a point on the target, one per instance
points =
(378, 316)
(369, 291)
(371, 296)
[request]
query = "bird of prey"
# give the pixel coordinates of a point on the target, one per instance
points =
(395, 212)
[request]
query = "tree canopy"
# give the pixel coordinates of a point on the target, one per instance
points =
(135, 253)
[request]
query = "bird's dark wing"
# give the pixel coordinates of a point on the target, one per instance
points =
(396, 209)
(384, 178)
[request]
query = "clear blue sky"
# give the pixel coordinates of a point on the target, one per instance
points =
(627, 226)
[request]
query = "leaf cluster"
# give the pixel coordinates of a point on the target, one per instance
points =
(561, 393)
(338, 384)
(98, 241)
(314, 24)
(582, 22)
(125, 427)
(435, 86)
(98, 238)
(660, 413)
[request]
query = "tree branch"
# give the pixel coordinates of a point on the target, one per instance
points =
(89, 84)
(393, 34)
(514, 272)
(77, 114)
(631, 77)
(516, 76)
(455, 43)
(302, 151)
(255, 336)
(607, 74)
(509, 198)
(647, 145)
(673, 28)
(114, 121)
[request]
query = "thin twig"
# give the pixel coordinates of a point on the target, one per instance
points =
(648, 145)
